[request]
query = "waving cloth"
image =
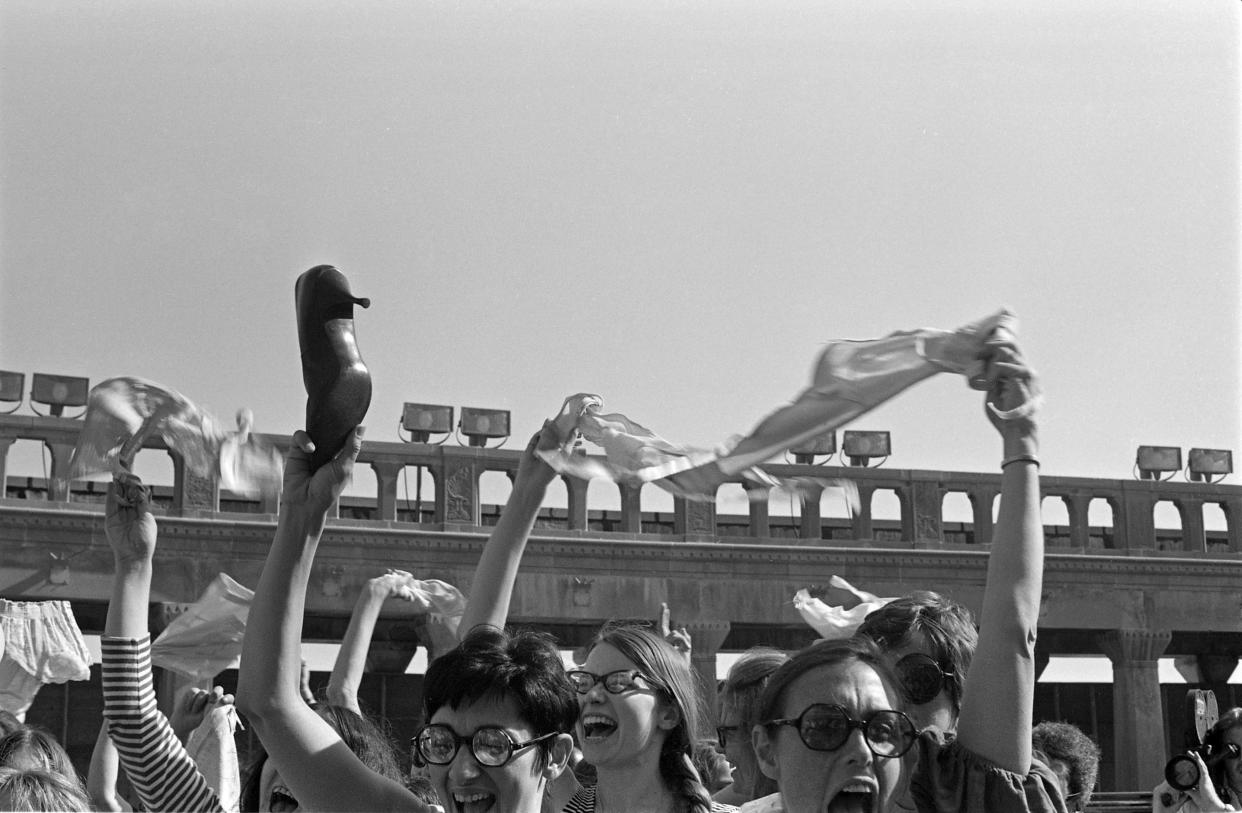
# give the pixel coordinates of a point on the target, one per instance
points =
(206, 639)
(834, 622)
(123, 412)
(850, 379)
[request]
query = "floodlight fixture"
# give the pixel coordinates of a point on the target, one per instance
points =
(823, 445)
(1153, 461)
(1205, 464)
(424, 420)
(862, 447)
(59, 391)
(481, 425)
(12, 389)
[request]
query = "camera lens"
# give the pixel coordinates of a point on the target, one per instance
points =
(1181, 772)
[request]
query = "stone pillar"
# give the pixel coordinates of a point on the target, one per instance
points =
(631, 509)
(1233, 522)
(58, 482)
(810, 524)
(705, 640)
(576, 491)
(457, 503)
(1133, 524)
(981, 500)
(1216, 669)
(862, 521)
(5, 445)
(694, 519)
(920, 512)
(386, 474)
(1193, 536)
(1138, 713)
(760, 522)
(193, 492)
(1078, 506)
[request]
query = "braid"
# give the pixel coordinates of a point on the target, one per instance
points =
(683, 778)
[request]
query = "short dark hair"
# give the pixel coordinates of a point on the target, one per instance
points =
(1067, 742)
(1227, 722)
(948, 627)
(492, 663)
(826, 653)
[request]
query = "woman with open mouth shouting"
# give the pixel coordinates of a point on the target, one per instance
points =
(639, 709)
(831, 732)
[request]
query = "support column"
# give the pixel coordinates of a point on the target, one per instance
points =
(631, 509)
(58, 482)
(921, 510)
(1078, 507)
(810, 522)
(705, 640)
(576, 491)
(695, 520)
(862, 520)
(457, 503)
(981, 500)
(757, 498)
(1191, 511)
(5, 445)
(1138, 713)
(386, 474)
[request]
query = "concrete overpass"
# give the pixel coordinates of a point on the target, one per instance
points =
(1131, 590)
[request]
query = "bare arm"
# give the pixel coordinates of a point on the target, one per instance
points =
(492, 588)
(998, 698)
(102, 775)
(318, 767)
(351, 659)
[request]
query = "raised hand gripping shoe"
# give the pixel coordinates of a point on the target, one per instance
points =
(338, 383)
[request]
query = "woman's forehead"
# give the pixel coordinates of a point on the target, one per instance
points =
(605, 658)
(855, 685)
(500, 711)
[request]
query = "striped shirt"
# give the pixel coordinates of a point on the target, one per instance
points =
(156, 762)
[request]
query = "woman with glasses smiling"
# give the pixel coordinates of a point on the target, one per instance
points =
(639, 709)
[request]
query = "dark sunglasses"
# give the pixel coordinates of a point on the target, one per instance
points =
(826, 727)
(437, 744)
(614, 682)
(921, 676)
(722, 733)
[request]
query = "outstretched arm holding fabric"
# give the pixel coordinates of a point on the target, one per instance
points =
(317, 766)
(995, 720)
(492, 588)
(162, 773)
(351, 659)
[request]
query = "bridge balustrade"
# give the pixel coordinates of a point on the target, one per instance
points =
(458, 501)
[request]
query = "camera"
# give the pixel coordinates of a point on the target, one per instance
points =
(1182, 772)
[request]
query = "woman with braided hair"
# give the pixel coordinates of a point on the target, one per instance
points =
(640, 709)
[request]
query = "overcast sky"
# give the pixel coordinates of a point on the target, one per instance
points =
(673, 205)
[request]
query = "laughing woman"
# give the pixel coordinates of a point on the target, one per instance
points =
(639, 711)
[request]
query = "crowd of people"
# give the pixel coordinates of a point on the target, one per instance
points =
(919, 710)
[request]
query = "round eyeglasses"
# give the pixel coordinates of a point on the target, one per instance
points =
(437, 744)
(614, 682)
(921, 677)
(826, 727)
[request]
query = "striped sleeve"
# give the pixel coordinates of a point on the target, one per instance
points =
(157, 764)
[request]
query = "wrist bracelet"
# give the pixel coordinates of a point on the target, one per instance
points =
(1020, 458)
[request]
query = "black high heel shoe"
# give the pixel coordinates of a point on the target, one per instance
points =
(338, 383)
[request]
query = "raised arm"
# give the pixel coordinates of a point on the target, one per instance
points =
(998, 697)
(351, 659)
(162, 773)
(313, 761)
(492, 588)
(102, 775)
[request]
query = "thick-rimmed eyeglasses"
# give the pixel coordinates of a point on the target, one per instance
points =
(827, 726)
(722, 733)
(623, 680)
(437, 744)
(921, 676)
